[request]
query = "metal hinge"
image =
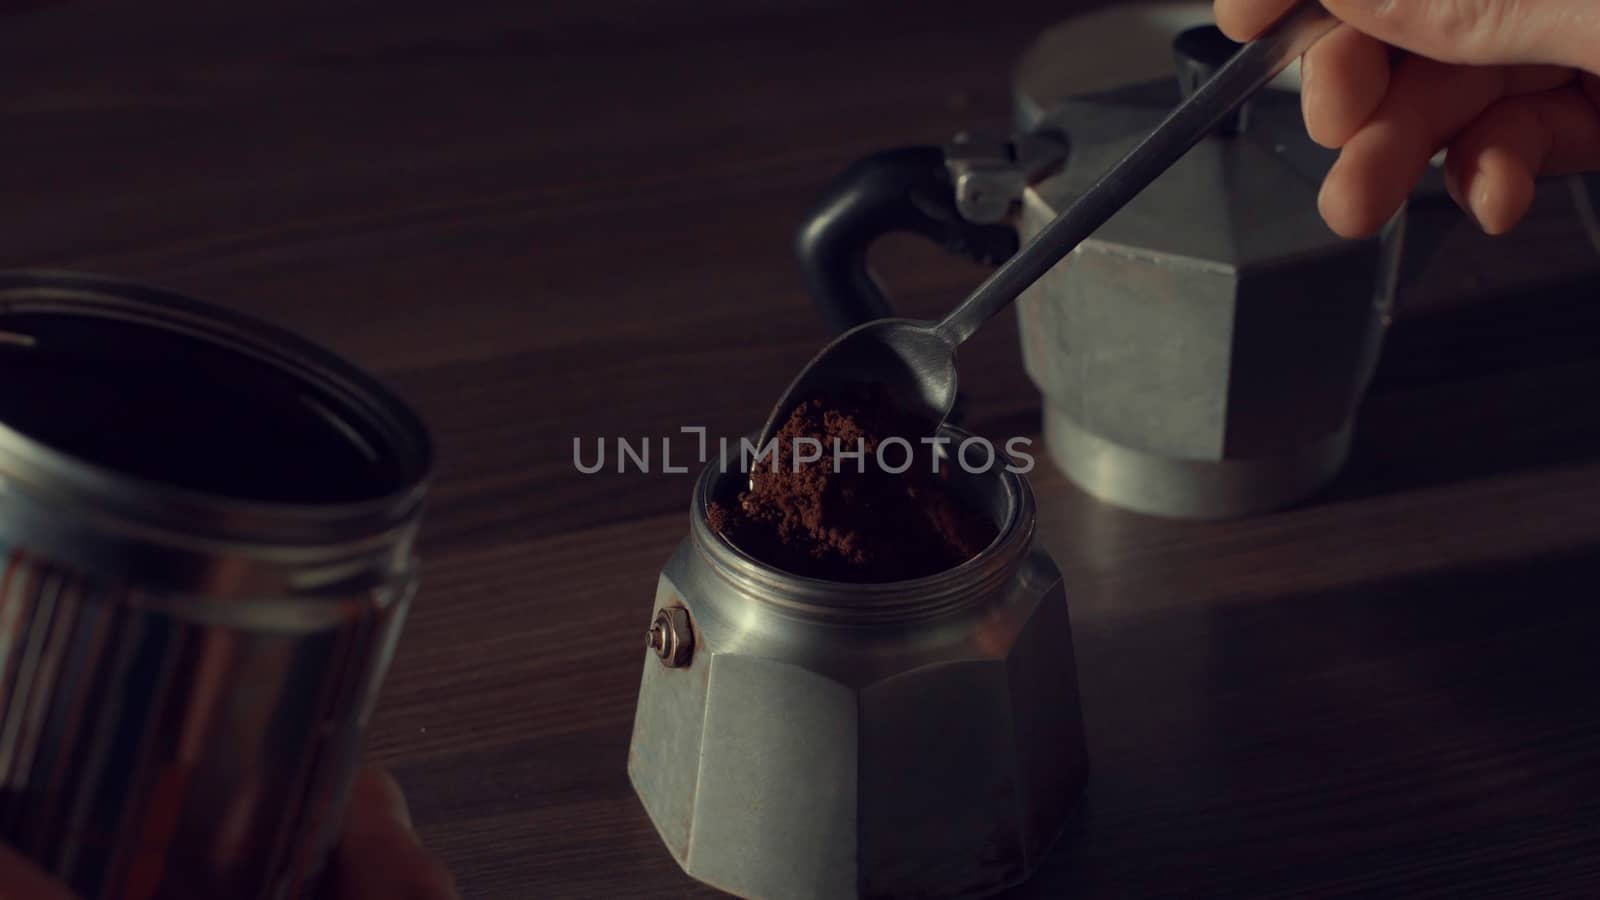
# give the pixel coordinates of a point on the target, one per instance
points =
(992, 172)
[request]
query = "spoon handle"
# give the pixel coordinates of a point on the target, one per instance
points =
(1250, 69)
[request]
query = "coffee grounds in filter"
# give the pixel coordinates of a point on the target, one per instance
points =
(854, 521)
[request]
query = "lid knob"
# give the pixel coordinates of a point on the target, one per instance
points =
(1199, 53)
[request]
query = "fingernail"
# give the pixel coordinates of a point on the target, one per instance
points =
(1327, 203)
(1452, 186)
(1479, 207)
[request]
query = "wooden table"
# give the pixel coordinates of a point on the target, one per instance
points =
(560, 219)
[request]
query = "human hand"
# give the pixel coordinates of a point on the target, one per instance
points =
(1510, 89)
(378, 857)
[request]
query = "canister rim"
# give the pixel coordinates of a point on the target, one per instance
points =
(123, 501)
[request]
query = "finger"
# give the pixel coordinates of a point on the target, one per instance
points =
(22, 880)
(1343, 80)
(1569, 117)
(1481, 32)
(1426, 105)
(1535, 79)
(1495, 162)
(376, 802)
(1491, 166)
(379, 857)
(1242, 20)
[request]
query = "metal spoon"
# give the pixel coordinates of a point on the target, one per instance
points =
(915, 361)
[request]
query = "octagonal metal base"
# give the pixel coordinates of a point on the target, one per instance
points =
(841, 741)
(1190, 489)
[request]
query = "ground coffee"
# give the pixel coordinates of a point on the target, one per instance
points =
(843, 520)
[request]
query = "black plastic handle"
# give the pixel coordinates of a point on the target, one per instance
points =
(903, 190)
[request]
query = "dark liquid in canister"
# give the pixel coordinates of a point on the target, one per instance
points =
(170, 408)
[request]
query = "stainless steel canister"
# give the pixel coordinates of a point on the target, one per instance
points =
(206, 527)
(799, 739)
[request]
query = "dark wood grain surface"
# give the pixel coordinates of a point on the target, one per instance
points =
(551, 220)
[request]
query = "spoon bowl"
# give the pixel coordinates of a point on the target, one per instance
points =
(911, 361)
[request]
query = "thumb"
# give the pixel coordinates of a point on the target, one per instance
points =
(1483, 32)
(379, 857)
